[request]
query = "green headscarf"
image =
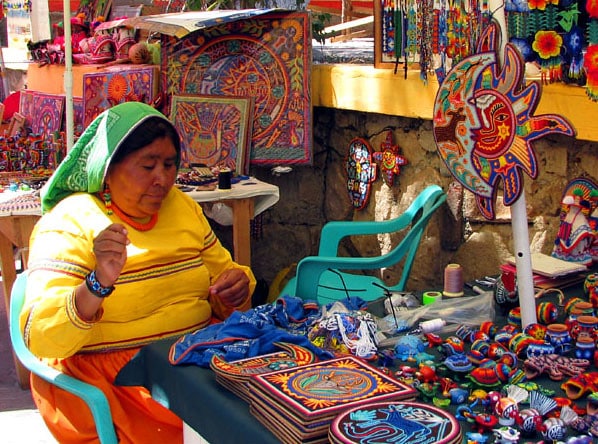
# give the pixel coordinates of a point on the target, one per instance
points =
(85, 166)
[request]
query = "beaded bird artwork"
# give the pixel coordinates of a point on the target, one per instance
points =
(484, 123)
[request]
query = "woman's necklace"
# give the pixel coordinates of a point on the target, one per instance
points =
(139, 226)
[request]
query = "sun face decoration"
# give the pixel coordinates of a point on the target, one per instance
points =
(484, 123)
(389, 159)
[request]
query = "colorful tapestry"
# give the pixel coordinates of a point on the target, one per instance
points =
(78, 115)
(267, 58)
(47, 118)
(114, 85)
(214, 130)
(26, 105)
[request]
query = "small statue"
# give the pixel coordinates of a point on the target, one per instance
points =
(575, 236)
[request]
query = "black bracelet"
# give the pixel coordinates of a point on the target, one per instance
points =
(95, 287)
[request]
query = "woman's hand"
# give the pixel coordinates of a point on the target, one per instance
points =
(232, 287)
(110, 250)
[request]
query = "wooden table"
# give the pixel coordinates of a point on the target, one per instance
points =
(14, 232)
(245, 200)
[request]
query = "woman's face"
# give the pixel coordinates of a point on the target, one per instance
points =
(140, 182)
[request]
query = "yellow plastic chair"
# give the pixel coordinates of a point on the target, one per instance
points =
(320, 277)
(93, 396)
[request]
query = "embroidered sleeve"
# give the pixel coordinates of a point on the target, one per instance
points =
(75, 317)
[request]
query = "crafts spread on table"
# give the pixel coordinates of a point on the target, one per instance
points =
(298, 403)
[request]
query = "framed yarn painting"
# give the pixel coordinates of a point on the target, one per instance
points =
(17, 124)
(49, 109)
(214, 130)
(26, 105)
(78, 116)
(267, 58)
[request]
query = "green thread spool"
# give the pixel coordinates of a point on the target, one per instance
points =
(429, 297)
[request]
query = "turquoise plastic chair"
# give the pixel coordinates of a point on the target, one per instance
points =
(320, 277)
(93, 396)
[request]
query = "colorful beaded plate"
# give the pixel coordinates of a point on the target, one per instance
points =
(298, 404)
(235, 375)
(399, 422)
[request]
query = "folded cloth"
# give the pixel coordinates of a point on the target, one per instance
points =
(250, 333)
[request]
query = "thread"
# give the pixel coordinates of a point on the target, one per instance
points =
(224, 179)
(432, 325)
(453, 281)
(429, 297)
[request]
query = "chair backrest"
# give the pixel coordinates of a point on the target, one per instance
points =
(415, 219)
(93, 397)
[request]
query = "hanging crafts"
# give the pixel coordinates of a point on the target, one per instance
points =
(484, 123)
(361, 172)
(389, 159)
(590, 60)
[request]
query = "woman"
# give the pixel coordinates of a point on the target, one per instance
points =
(121, 258)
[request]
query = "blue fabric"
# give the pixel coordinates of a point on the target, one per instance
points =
(251, 333)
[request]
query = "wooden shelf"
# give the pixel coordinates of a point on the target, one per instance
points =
(364, 88)
(367, 89)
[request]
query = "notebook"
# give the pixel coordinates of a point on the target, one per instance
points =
(551, 267)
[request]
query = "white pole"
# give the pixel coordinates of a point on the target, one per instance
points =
(68, 75)
(523, 260)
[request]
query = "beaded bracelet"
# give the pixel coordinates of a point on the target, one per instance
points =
(94, 286)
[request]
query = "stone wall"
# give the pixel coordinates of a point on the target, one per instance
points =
(311, 196)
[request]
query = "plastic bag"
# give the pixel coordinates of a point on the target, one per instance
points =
(468, 310)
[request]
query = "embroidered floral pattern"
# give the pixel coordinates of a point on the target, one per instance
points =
(547, 44)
